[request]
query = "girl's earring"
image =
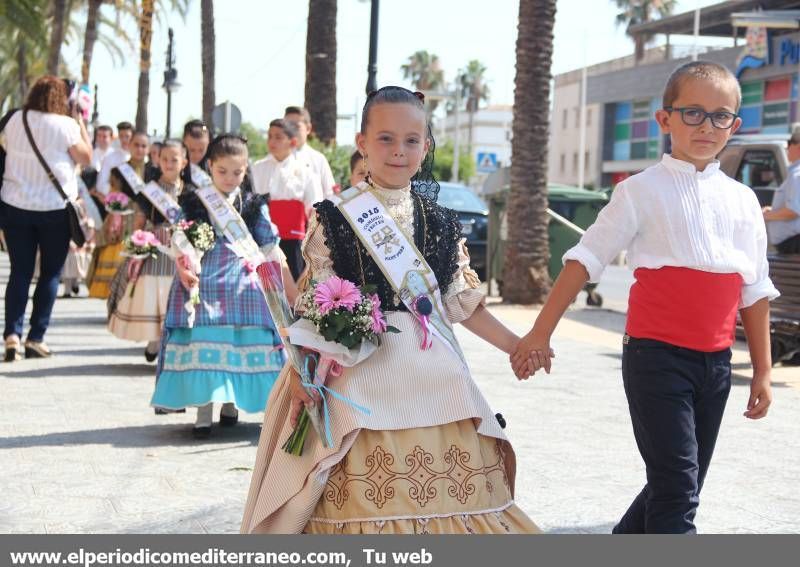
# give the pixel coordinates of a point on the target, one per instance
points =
(367, 176)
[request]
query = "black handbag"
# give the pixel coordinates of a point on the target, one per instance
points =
(3, 121)
(79, 228)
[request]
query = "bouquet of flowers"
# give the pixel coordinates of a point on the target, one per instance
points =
(117, 205)
(193, 239)
(344, 324)
(139, 246)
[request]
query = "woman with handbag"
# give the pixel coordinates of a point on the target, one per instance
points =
(43, 143)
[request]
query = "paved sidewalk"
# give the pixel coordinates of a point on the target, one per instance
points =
(82, 451)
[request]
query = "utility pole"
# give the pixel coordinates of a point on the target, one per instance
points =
(372, 67)
(170, 81)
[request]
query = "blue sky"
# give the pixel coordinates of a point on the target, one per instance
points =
(261, 52)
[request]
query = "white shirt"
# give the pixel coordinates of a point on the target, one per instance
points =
(317, 162)
(289, 179)
(672, 215)
(112, 160)
(25, 183)
(787, 195)
(98, 155)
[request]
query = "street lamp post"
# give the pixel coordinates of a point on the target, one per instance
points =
(372, 67)
(170, 81)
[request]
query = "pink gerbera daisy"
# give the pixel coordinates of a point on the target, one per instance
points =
(336, 292)
(378, 322)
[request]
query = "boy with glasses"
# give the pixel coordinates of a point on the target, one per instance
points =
(697, 244)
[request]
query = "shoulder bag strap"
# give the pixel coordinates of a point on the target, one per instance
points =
(6, 117)
(46, 167)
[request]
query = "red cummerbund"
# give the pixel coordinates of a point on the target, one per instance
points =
(290, 218)
(684, 307)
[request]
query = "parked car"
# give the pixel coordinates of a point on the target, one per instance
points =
(758, 161)
(474, 216)
(761, 163)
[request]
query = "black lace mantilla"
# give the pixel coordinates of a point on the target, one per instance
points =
(247, 204)
(439, 245)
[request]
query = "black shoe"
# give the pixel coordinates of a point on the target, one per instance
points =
(228, 420)
(201, 432)
(37, 349)
(76, 289)
(162, 411)
(12, 355)
(150, 356)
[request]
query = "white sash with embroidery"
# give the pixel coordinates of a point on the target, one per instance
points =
(398, 258)
(227, 219)
(162, 201)
(131, 177)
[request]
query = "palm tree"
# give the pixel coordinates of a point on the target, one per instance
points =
(473, 91)
(525, 275)
(641, 11)
(150, 8)
(208, 57)
(23, 48)
(89, 38)
(320, 93)
(425, 73)
(145, 38)
(60, 16)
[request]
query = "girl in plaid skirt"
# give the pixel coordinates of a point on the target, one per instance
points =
(228, 351)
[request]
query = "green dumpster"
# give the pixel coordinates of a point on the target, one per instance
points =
(578, 206)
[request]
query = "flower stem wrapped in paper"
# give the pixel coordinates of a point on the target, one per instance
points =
(344, 325)
(192, 240)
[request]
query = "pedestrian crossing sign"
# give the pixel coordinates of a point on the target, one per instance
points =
(487, 162)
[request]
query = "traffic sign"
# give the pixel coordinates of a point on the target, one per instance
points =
(487, 162)
(226, 118)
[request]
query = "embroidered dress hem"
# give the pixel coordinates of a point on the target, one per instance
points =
(510, 520)
(218, 364)
(443, 479)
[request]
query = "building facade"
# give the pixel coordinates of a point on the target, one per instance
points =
(622, 136)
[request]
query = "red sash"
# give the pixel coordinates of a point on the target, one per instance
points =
(289, 215)
(684, 307)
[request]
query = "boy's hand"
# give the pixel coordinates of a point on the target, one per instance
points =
(532, 354)
(760, 397)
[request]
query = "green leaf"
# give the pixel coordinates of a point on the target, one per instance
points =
(368, 289)
(390, 329)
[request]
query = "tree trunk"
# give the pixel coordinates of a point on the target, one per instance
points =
(321, 68)
(208, 57)
(145, 37)
(22, 70)
(56, 35)
(525, 274)
(639, 44)
(89, 38)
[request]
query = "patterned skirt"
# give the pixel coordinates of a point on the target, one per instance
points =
(446, 479)
(106, 262)
(218, 364)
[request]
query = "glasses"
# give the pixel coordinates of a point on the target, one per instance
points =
(696, 116)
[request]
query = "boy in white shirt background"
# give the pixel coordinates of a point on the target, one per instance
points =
(315, 160)
(697, 243)
(292, 188)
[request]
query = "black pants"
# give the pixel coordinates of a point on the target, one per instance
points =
(676, 397)
(294, 256)
(26, 233)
